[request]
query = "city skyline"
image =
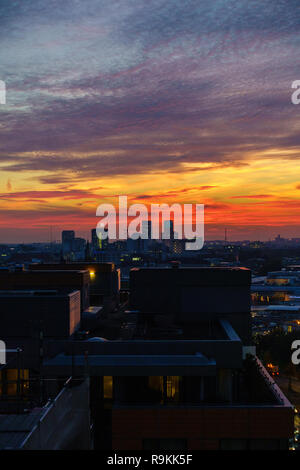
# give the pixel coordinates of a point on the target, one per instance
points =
(163, 102)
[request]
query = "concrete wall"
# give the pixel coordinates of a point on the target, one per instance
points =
(65, 424)
(22, 315)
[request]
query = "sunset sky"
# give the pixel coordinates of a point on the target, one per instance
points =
(162, 100)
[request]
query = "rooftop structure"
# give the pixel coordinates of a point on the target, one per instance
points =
(60, 280)
(181, 353)
(56, 314)
(104, 280)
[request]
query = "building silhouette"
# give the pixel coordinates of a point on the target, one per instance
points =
(170, 367)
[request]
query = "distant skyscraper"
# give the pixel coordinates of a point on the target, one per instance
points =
(97, 242)
(168, 230)
(94, 238)
(147, 229)
(67, 238)
(78, 244)
(67, 235)
(99, 246)
(146, 235)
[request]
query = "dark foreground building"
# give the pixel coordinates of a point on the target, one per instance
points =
(174, 370)
(41, 279)
(104, 280)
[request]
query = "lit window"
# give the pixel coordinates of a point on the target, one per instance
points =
(172, 384)
(168, 386)
(108, 387)
(11, 381)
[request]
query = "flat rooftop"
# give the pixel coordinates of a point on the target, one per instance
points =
(205, 275)
(37, 293)
(14, 429)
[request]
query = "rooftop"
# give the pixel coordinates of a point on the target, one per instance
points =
(15, 428)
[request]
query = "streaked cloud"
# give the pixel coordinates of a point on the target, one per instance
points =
(157, 99)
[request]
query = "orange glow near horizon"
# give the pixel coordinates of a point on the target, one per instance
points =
(270, 197)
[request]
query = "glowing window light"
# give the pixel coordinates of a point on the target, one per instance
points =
(108, 387)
